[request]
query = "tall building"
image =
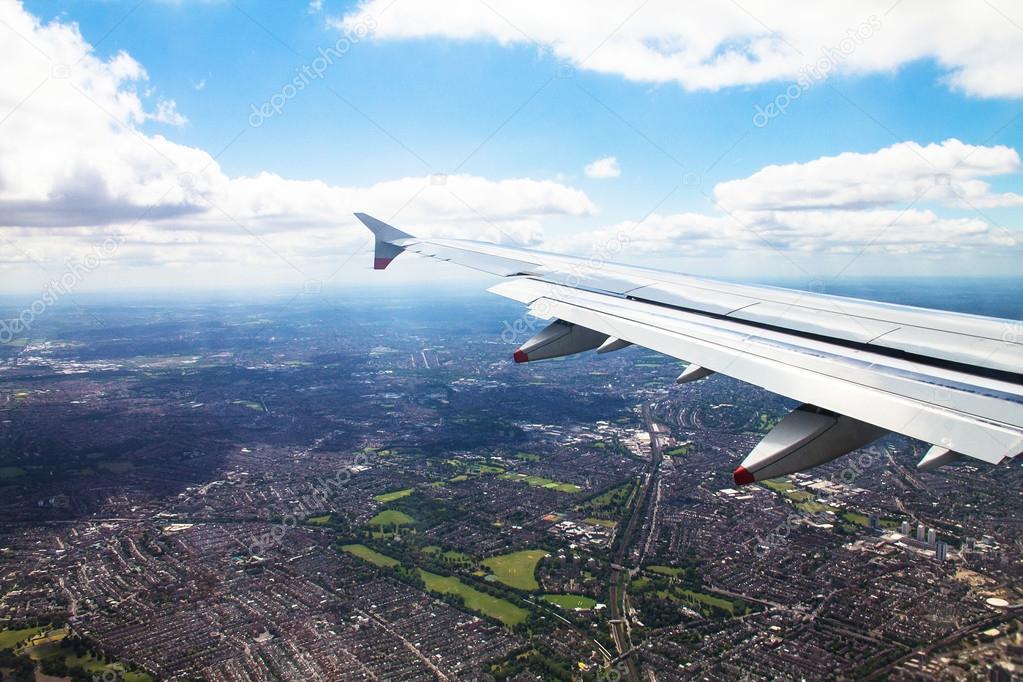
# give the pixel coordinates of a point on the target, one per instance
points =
(932, 536)
(921, 533)
(904, 529)
(874, 523)
(940, 551)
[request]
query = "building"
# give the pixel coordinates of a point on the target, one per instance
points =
(921, 533)
(941, 551)
(874, 522)
(932, 536)
(904, 529)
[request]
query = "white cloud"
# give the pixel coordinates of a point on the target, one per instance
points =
(315, 6)
(851, 203)
(902, 174)
(793, 232)
(709, 44)
(167, 112)
(75, 165)
(606, 167)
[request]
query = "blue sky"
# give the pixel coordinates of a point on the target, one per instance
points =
(524, 98)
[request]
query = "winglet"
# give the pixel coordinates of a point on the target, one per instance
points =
(386, 250)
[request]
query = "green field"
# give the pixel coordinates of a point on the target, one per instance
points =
(318, 520)
(10, 638)
(600, 522)
(517, 569)
(814, 507)
(667, 570)
(45, 647)
(778, 485)
(679, 451)
(391, 517)
(384, 498)
(11, 472)
(602, 502)
(570, 601)
(474, 600)
(371, 555)
(527, 456)
(864, 520)
(538, 482)
(708, 599)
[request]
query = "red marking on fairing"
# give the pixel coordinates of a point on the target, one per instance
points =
(519, 356)
(742, 477)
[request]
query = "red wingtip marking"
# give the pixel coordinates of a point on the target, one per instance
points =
(381, 263)
(742, 477)
(519, 356)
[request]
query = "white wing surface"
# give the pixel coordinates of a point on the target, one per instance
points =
(860, 368)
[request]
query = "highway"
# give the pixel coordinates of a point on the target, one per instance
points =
(620, 571)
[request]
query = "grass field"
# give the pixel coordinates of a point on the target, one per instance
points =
(600, 522)
(371, 555)
(392, 496)
(11, 472)
(46, 647)
(538, 482)
(667, 570)
(778, 485)
(11, 638)
(95, 667)
(517, 569)
(814, 507)
(605, 498)
(391, 517)
(570, 601)
(501, 609)
(708, 599)
(318, 520)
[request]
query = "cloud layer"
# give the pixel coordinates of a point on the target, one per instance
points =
(845, 204)
(904, 173)
(709, 44)
(76, 163)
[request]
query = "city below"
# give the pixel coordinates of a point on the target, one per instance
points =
(371, 489)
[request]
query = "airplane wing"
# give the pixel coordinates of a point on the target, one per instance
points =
(860, 368)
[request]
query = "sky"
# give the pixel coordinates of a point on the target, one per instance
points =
(224, 144)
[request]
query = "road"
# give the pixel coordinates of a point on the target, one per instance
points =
(620, 571)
